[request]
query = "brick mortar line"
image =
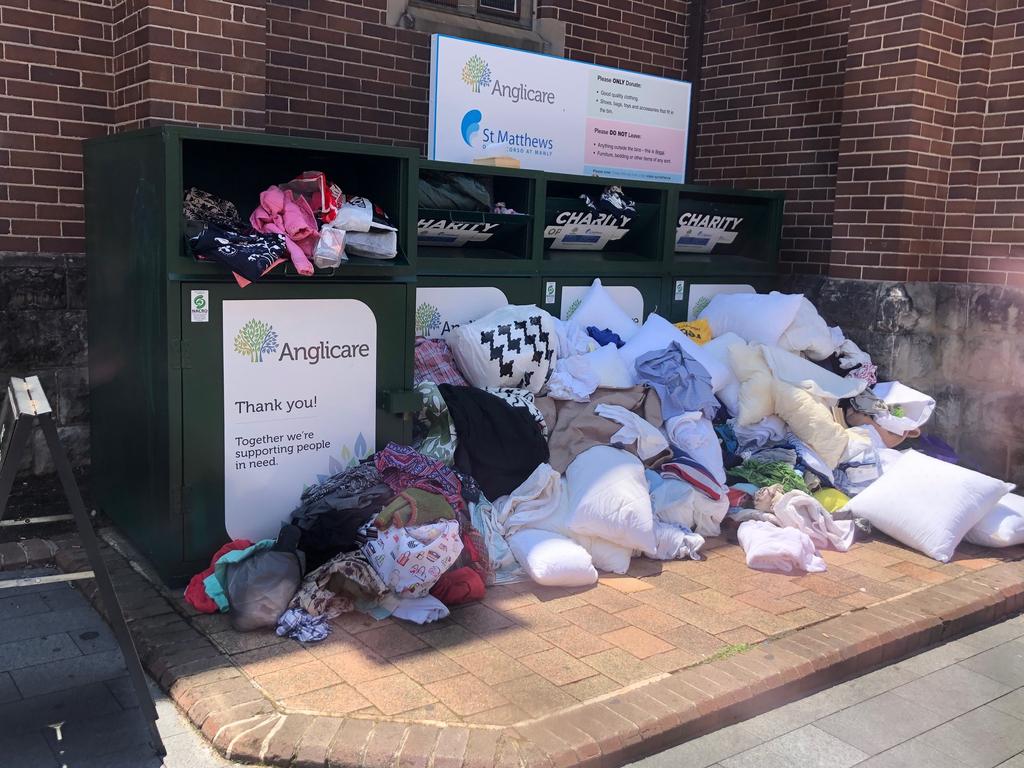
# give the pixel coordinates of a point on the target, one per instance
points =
(608, 731)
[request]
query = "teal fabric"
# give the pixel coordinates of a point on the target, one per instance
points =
(216, 583)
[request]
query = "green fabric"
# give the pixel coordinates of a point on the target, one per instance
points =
(434, 427)
(216, 584)
(765, 473)
(414, 506)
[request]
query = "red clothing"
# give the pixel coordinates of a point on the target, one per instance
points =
(195, 592)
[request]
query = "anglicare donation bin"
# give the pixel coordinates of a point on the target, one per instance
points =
(214, 405)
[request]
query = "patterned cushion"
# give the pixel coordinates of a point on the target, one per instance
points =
(509, 347)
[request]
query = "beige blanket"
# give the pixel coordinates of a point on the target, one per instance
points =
(574, 427)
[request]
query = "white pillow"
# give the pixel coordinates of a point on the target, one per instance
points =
(606, 556)
(808, 333)
(552, 560)
(1003, 526)
(609, 498)
(513, 346)
(928, 504)
(753, 316)
(598, 308)
(718, 348)
(657, 333)
(607, 363)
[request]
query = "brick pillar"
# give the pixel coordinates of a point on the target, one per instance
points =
(903, 67)
(190, 61)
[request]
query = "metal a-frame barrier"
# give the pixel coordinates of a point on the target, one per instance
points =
(25, 405)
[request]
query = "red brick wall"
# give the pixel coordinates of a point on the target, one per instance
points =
(189, 61)
(894, 127)
(55, 90)
(647, 37)
(899, 110)
(335, 70)
(984, 236)
(770, 119)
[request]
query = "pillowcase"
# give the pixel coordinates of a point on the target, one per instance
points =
(609, 498)
(1003, 526)
(657, 333)
(551, 559)
(753, 316)
(609, 367)
(513, 346)
(598, 308)
(928, 504)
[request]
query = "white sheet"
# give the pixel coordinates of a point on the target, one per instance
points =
(635, 429)
(800, 372)
(798, 510)
(532, 502)
(770, 548)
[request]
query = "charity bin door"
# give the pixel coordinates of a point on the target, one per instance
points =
(280, 389)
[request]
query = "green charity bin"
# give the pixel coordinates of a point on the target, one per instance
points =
(724, 231)
(585, 235)
(214, 405)
(458, 229)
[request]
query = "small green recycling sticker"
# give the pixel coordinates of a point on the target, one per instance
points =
(200, 306)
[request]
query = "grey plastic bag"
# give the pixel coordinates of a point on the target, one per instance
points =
(260, 587)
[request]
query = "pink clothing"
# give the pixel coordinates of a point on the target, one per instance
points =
(287, 214)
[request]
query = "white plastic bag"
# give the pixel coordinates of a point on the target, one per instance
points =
(372, 245)
(330, 250)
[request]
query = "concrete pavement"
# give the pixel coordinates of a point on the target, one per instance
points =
(65, 699)
(960, 705)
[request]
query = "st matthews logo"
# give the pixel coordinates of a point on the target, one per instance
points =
(255, 340)
(476, 73)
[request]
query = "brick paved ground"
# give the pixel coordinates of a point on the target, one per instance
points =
(542, 677)
(528, 651)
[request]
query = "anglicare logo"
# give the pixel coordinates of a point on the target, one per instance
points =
(428, 318)
(255, 340)
(476, 73)
(470, 125)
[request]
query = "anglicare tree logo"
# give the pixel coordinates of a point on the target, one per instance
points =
(427, 318)
(476, 73)
(255, 340)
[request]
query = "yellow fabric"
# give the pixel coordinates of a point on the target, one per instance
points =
(698, 331)
(831, 499)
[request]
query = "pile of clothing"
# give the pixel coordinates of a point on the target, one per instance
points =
(553, 450)
(307, 221)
